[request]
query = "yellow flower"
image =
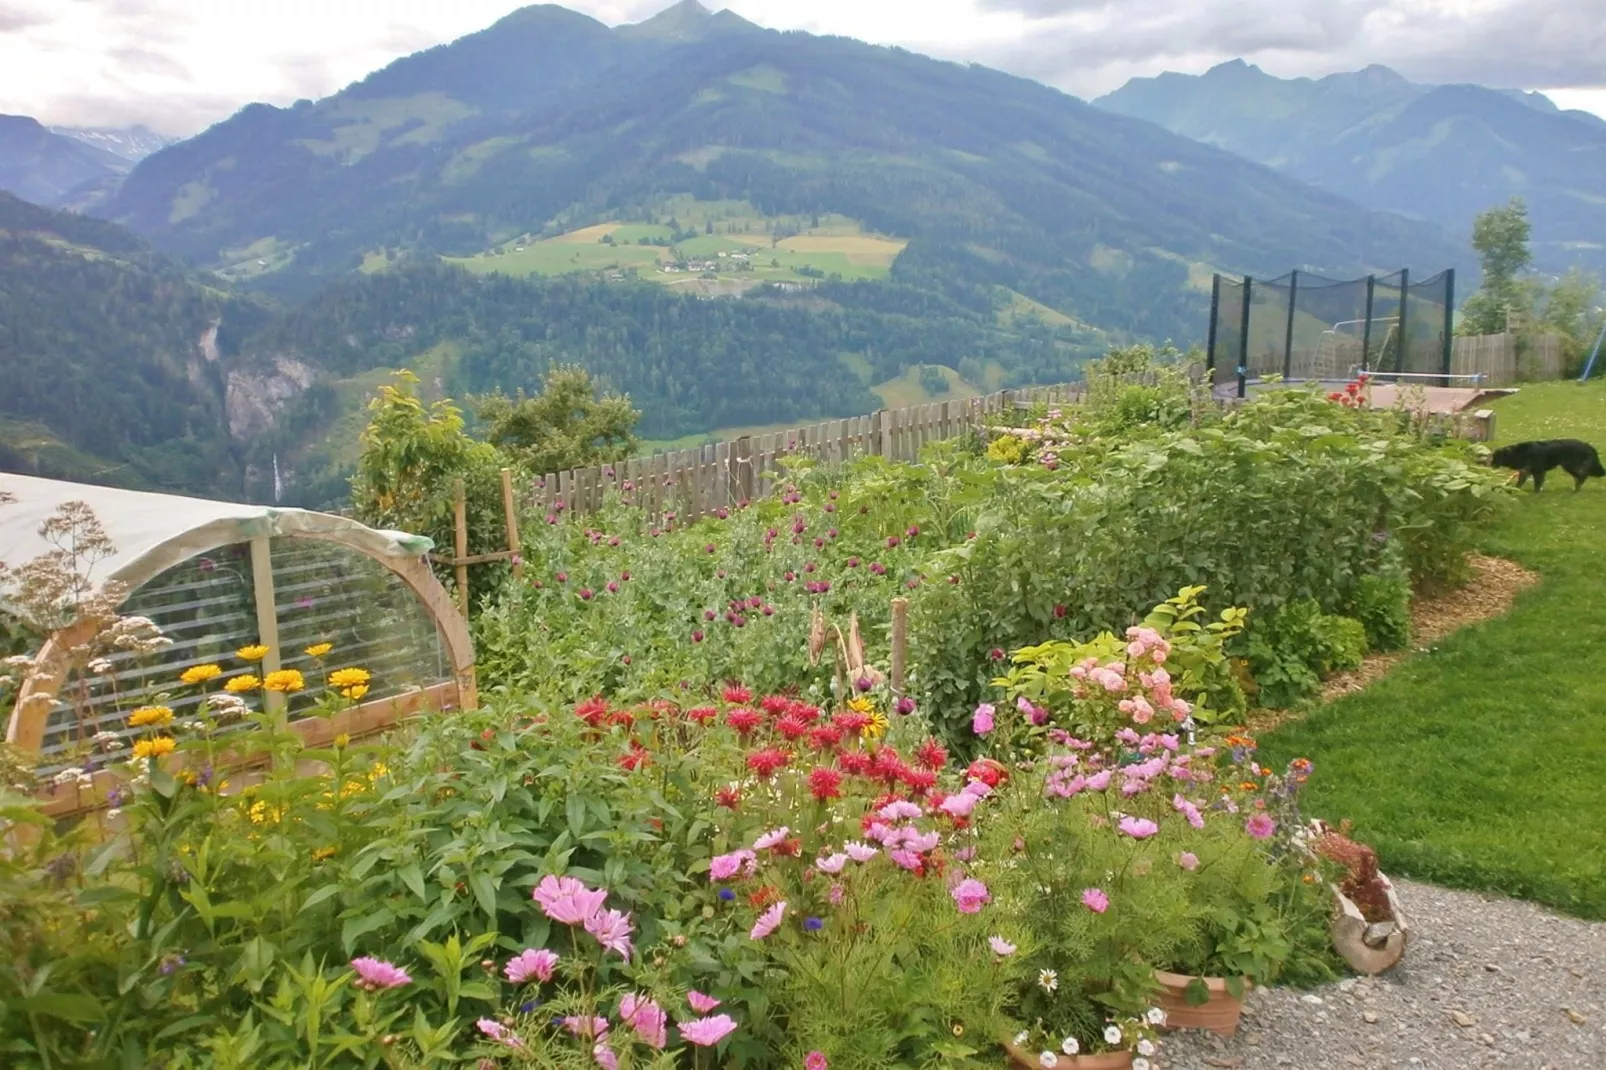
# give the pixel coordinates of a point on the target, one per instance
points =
(348, 677)
(154, 748)
(318, 650)
(355, 692)
(379, 769)
(200, 674)
(877, 726)
(322, 853)
(150, 716)
(342, 740)
(254, 652)
(351, 787)
(263, 814)
(284, 680)
(246, 682)
(861, 704)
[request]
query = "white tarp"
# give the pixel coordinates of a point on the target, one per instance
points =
(151, 532)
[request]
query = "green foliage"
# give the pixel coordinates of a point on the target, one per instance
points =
(1382, 604)
(1292, 649)
(566, 426)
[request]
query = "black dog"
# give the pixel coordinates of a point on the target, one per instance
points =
(1577, 459)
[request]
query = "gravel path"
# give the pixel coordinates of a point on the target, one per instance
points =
(1485, 983)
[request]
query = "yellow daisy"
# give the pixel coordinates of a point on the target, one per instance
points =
(150, 717)
(355, 692)
(877, 726)
(254, 652)
(349, 677)
(200, 674)
(284, 680)
(154, 748)
(318, 650)
(245, 682)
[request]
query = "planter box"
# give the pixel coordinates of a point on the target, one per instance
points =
(1219, 1014)
(1369, 948)
(1107, 1060)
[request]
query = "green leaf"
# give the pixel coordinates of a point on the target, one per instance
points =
(484, 888)
(327, 892)
(413, 877)
(69, 1008)
(355, 929)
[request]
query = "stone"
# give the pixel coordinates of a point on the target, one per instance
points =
(1226, 1062)
(1463, 1019)
(1370, 1018)
(1313, 1000)
(1575, 1017)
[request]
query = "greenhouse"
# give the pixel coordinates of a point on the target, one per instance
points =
(211, 578)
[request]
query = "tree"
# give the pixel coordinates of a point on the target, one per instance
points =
(565, 426)
(1573, 310)
(1500, 236)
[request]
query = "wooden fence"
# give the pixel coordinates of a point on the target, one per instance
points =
(1496, 358)
(702, 480)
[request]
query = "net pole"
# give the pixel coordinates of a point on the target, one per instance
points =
(1366, 325)
(1215, 319)
(1448, 356)
(1288, 335)
(1243, 343)
(1405, 300)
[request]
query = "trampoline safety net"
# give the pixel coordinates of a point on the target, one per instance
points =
(1305, 327)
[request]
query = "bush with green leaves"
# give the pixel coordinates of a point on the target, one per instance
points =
(1294, 648)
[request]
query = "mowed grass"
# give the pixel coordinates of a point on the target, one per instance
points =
(1482, 763)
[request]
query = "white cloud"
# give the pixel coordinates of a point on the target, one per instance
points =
(180, 64)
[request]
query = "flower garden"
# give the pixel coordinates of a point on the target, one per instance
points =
(697, 821)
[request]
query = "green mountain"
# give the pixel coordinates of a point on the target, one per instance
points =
(1437, 153)
(46, 167)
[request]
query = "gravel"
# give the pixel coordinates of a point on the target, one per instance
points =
(1485, 982)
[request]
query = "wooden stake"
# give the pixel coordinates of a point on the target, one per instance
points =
(460, 505)
(511, 515)
(900, 642)
(267, 620)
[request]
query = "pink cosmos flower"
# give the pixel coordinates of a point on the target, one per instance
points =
(878, 832)
(1001, 947)
(860, 852)
(970, 896)
(499, 1032)
(724, 867)
(771, 838)
(647, 1019)
(375, 974)
(960, 805)
(978, 788)
(568, 901)
(1188, 810)
(590, 1028)
(1095, 900)
(833, 864)
(981, 722)
(767, 923)
(1261, 827)
(1139, 828)
(815, 1060)
(706, 1032)
(923, 843)
(1099, 781)
(604, 1056)
(700, 1003)
(612, 930)
(907, 859)
(902, 810)
(531, 963)
(1188, 861)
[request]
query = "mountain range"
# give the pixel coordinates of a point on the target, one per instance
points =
(69, 166)
(1440, 153)
(735, 225)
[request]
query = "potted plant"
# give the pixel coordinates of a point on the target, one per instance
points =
(1368, 928)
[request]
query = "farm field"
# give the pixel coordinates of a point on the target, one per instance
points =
(1477, 763)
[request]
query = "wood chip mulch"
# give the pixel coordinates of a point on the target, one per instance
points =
(1493, 588)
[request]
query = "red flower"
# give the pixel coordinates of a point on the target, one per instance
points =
(592, 710)
(791, 848)
(621, 717)
(702, 714)
(988, 771)
(635, 758)
(1352, 389)
(763, 897)
(804, 712)
(855, 762)
(729, 798)
(931, 755)
(743, 719)
(1335, 396)
(920, 781)
(851, 720)
(769, 761)
(825, 736)
(825, 783)
(737, 695)
(791, 727)
(889, 764)
(775, 705)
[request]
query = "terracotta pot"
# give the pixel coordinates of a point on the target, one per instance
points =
(1219, 1013)
(1105, 1060)
(1369, 948)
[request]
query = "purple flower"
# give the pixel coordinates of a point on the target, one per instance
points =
(375, 974)
(1095, 900)
(1261, 827)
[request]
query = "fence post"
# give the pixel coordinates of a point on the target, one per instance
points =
(882, 433)
(1405, 300)
(1243, 344)
(1449, 321)
(1366, 325)
(1215, 319)
(900, 643)
(511, 516)
(460, 508)
(1288, 336)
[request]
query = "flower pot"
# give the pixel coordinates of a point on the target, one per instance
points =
(1219, 1013)
(1369, 947)
(1104, 1060)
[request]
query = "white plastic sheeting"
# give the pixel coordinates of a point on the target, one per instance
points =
(152, 532)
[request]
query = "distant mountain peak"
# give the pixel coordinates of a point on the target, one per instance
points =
(687, 20)
(1233, 68)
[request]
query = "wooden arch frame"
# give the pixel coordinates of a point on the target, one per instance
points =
(26, 729)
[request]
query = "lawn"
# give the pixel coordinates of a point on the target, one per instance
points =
(1482, 763)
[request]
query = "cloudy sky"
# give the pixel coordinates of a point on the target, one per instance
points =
(178, 65)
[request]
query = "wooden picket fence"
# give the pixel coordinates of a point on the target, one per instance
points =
(700, 481)
(1496, 358)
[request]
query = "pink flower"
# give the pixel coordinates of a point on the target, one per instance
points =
(566, 900)
(970, 896)
(647, 1019)
(833, 864)
(1099, 781)
(1095, 900)
(604, 1056)
(1261, 827)
(978, 788)
(907, 859)
(1139, 828)
(1188, 861)
(901, 810)
(531, 963)
(589, 1028)
(706, 1032)
(838, 893)
(860, 852)
(1188, 810)
(612, 930)
(815, 1060)
(499, 1032)
(1000, 946)
(375, 974)
(959, 805)
(724, 867)
(767, 923)
(981, 722)
(700, 1003)
(771, 838)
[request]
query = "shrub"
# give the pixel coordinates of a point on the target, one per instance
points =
(1292, 649)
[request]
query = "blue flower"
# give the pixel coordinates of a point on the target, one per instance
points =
(726, 894)
(813, 925)
(526, 1008)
